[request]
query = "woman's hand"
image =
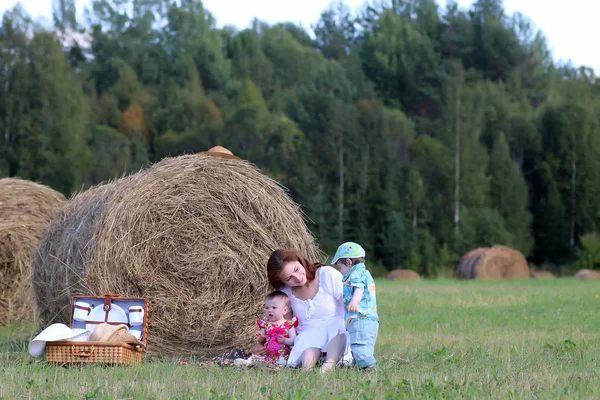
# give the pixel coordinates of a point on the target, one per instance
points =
(259, 349)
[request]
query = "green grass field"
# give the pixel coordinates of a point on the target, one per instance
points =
(438, 339)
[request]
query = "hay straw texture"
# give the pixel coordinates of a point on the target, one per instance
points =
(60, 259)
(587, 274)
(193, 235)
(26, 209)
(403, 275)
(497, 262)
(467, 264)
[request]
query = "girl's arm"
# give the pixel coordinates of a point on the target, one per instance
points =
(292, 336)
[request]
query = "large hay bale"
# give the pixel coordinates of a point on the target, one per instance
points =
(193, 234)
(467, 264)
(587, 274)
(502, 262)
(403, 275)
(497, 262)
(60, 259)
(26, 209)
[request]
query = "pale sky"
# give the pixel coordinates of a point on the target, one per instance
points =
(571, 28)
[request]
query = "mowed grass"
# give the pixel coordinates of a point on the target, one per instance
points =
(438, 339)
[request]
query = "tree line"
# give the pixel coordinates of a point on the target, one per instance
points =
(418, 131)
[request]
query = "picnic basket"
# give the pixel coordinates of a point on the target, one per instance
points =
(66, 352)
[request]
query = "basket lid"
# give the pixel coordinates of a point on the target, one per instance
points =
(111, 312)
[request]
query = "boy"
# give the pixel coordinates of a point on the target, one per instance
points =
(362, 321)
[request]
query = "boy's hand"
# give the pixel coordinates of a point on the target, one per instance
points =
(260, 338)
(353, 306)
(281, 339)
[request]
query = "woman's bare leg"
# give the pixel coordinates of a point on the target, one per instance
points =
(335, 351)
(310, 358)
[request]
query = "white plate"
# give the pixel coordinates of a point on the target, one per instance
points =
(116, 314)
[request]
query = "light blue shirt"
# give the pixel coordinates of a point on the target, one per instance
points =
(358, 277)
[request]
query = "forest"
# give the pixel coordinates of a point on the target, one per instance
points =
(418, 131)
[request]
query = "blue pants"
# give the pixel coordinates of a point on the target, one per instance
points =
(363, 335)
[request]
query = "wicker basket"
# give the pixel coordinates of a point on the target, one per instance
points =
(66, 352)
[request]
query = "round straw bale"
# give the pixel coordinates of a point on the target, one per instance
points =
(403, 275)
(468, 263)
(60, 258)
(587, 274)
(26, 209)
(502, 262)
(542, 274)
(193, 235)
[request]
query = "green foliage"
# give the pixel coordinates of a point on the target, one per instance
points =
(420, 132)
(509, 195)
(589, 251)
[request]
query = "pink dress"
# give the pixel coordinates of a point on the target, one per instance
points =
(321, 318)
(276, 351)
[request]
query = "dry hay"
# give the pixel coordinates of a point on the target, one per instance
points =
(59, 261)
(542, 274)
(193, 235)
(497, 262)
(587, 274)
(403, 275)
(467, 264)
(502, 262)
(26, 209)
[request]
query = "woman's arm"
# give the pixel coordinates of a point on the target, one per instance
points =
(259, 349)
(332, 281)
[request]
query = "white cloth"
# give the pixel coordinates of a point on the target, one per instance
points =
(56, 332)
(321, 318)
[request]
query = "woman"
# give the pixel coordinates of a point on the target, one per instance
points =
(316, 297)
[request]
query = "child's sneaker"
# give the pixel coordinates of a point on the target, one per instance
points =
(372, 369)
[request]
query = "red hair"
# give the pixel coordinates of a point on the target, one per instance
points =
(281, 257)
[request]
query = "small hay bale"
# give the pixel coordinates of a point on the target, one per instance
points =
(542, 274)
(60, 258)
(403, 275)
(467, 264)
(502, 262)
(587, 274)
(26, 209)
(193, 235)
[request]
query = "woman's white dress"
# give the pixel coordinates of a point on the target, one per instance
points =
(321, 318)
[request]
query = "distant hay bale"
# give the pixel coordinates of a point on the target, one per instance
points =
(542, 274)
(403, 275)
(497, 262)
(502, 262)
(467, 264)
(26, 209)
(587, 274)
(62, 254)
(193, 235)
